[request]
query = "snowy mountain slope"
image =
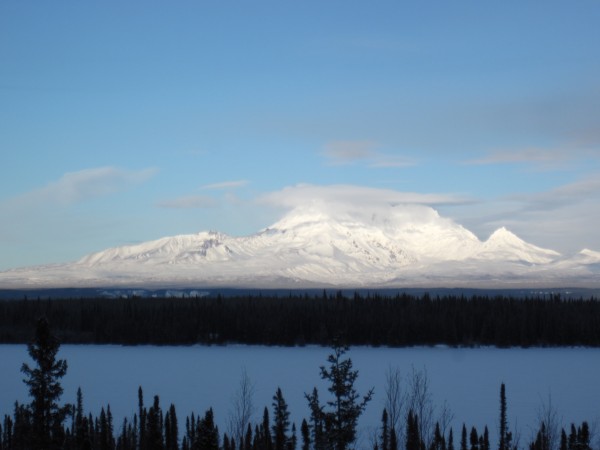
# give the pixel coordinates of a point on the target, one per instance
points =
(503, 244)
(405, 245)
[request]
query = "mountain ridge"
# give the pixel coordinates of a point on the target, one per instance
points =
(403, 245)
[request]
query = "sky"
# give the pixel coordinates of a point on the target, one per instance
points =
(122, 122)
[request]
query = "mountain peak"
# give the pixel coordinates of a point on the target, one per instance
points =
(507, 245)
(505, 235)
(323, 244)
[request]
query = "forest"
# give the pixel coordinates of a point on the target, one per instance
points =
(299, 319)
(408, 420)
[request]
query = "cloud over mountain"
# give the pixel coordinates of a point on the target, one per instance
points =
(346, 238)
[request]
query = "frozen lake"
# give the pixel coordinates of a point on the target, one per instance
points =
(195, 378)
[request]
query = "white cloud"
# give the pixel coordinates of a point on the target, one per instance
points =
(225, 185)
(357, 196)
(87, 184)
(188, 202)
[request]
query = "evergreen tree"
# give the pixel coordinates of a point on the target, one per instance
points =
(281, 421)
(154, 427)
(142, 420)
(265, 440)
(393, 439)
(105, 430)
(385, 445)
(346, 406)
(573, 438)
(413, 436)
(541, 441)
(463, 438)
(79, 431)
(7, 433)
(257, 442)
(172, 434)
(485, 439)
(439, 442)
(207, 436)
(110, 429)
(45, 390)
(505, 436)
(305, 433)
(126, 440)
(293, 440)
(563, 440)
(248, 438)
(317, 419)
(474, 439)
(583, 437)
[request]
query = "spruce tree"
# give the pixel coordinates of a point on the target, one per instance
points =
(463, 438)
(207, 436)
(474, 439)
(413, 437)
(247, 439)
(393, 439)
(7, 432)
(317, 417)
(485, 439)
(305, 433)
(563, 440)
(154, 428)
(293, 440)
(583, 437)
(281, 421)
(172, 435)
(79, 431)
(45, 390)
(573, 438)
(266, 442)
(505, 436)
(142, 420)
(385, 445)
(439, 442)
(346, 406)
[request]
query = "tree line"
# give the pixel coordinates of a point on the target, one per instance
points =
(370, 319)
(408, 421)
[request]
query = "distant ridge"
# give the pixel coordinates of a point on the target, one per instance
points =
(187, 292)
(314, 246)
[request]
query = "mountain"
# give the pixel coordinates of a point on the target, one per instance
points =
(312, 246)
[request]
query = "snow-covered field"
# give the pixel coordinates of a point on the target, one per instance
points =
(194, 378)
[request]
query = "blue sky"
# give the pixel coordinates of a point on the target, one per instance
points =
(127, 121)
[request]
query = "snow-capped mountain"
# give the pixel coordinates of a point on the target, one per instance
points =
(405, 245)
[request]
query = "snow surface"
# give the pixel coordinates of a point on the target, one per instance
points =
(317, 246)
(196, 377)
